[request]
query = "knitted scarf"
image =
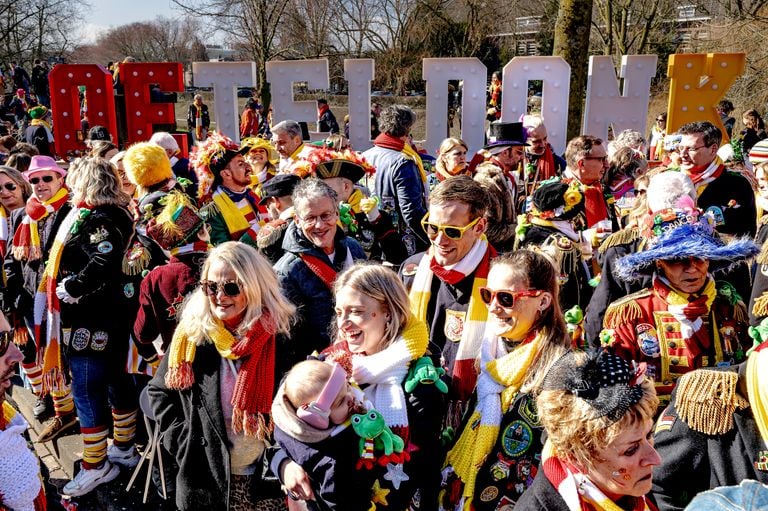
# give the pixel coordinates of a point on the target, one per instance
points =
(19, 469)
(501, 376)
(252, 397)
(197, 246)
(688, 309)
(577, 490)
(26, 240)
(757, 389)
(237, 223)
(323, 270)
(198, 121)
(396, 144)
(47, 303)
(321, 110)
(5, 230)
(477, 260)
(702, 177)
(385, 371)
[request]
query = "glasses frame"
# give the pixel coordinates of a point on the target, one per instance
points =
(683, 149)
(513, 295)
(6, 338)
(211, 288)
(601, 158)
(444, 228)
(312, 220)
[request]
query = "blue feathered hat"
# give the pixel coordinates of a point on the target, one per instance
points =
(687, 240)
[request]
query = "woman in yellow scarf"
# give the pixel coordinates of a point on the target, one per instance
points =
(497, 453)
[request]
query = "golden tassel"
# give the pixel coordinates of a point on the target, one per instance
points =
(706, 400)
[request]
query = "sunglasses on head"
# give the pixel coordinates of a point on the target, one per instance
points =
(450, 231)
(6, 338)
(44, 179)
(230, 288)
(505, 298)
(10, 187)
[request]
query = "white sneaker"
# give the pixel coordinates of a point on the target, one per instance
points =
(88, 479)
(127, 458)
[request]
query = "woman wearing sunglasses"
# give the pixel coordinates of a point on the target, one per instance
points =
(14, 192)
(213, 391)
(498, 450)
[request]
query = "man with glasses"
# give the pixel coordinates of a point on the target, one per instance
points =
(316, 250)
(444, 282)
(539, 153)
(726, 195)
(20, 481)
(35, 227)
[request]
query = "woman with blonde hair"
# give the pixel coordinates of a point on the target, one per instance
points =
(214, 388)
(82, 291)
(14, 192)
(499, 444)
(451, 160)
(378, 341)
(599, 454)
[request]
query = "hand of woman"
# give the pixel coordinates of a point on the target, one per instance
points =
(296, 482)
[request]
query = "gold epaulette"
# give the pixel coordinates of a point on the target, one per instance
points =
(707, 399)
(137, 259)
(762, 257)
(622, 237)
(760, 307)
(625, 309)
(270, 233)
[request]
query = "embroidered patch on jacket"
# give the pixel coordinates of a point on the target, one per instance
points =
(648, 340)
(99, 235)
(80, 339)
(99, 340)
(454, 325)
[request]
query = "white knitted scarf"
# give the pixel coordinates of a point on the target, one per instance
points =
(19, 471)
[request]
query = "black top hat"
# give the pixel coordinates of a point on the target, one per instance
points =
(279, 186)
(505, 134)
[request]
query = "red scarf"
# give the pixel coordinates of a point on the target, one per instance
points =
(546, 165)
(389, 142)
(697, 174)
(700, 341)
(453, 277)
(24, 246)
(321, 110)
(320, 268)
(594, 203)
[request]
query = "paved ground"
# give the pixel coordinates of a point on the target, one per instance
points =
(61, 458)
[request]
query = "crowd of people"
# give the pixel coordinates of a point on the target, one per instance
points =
(325, 329)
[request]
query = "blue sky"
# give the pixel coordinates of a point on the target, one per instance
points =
(104, 14)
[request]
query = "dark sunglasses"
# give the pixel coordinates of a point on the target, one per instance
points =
(601, 158)
(45, 179)
(10, 187)
(6, 338)
(230, 288)
(506, 298)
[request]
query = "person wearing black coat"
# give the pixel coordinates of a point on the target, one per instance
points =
(708, 436)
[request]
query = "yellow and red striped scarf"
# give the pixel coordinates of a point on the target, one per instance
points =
(241, 217)
(477, 260)
(26, 240)
(577, 490)
(46, 302)
(501, 377)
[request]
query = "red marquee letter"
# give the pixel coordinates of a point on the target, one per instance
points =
(140, 112)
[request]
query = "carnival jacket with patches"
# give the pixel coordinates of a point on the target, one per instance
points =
(692, 461)
(91, 270)
(644, 330)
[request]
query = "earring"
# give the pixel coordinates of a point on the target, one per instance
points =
(615, 474)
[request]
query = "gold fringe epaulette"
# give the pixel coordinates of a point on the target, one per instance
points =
(622, 237)
(760, 307)
(136, 260)
(762, 257)
(706, 400)
(624, 310)
(270, 233)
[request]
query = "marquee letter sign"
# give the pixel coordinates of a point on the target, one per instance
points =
(556, 75)
(140, 112)
(225, 78)
(606, 106)
(437, 72)
(282, 75)
(359, 73)
(697, 82)
(64, 80)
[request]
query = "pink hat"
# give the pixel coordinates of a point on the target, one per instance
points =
(42, 163)
(20, 92)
